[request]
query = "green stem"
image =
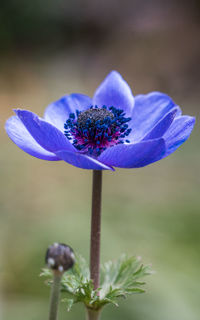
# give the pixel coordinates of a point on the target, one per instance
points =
(93, 314)
(95, 228)
(55, 293)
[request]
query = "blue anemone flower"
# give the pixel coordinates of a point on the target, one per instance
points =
(114, 129)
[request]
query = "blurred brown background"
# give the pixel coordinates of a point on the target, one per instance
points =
(50, 48)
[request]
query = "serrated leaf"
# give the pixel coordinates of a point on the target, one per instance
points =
(69, 303)
(118, 280)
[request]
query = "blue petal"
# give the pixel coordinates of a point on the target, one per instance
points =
(149, 109)
(114, 91)
(178, 133)
(134, 155)
(162, 126)
(58, 112)
(82, 161)
(22, 138)
(48, 136)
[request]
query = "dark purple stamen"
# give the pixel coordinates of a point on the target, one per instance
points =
(96, 129)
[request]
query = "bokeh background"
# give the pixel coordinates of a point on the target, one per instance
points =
(49, 48)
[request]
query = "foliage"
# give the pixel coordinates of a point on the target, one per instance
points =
(118, 280)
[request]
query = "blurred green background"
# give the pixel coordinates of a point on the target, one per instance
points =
(51, 48)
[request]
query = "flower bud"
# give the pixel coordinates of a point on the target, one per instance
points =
(60, 257)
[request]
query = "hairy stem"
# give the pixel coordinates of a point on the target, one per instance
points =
(55, 293)
(93, 314)
(95, 228)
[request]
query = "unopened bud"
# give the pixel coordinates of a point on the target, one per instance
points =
(60, 257)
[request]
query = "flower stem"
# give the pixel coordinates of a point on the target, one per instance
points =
(55, 293)
(95, 229)
(93, 314)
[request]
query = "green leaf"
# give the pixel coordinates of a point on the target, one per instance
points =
(119, 279)
(69, 303)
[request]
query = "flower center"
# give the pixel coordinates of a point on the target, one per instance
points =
(92, 116)
(96, 129)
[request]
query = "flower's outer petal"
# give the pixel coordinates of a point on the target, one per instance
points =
(162, 126)
(58, 112)
(178, 133)
(48, 136)
(134, 155)
(22, 138)
(149, 109)
(82, 161)
(114, 91)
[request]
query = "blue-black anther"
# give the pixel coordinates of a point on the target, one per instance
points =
(95, 129)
